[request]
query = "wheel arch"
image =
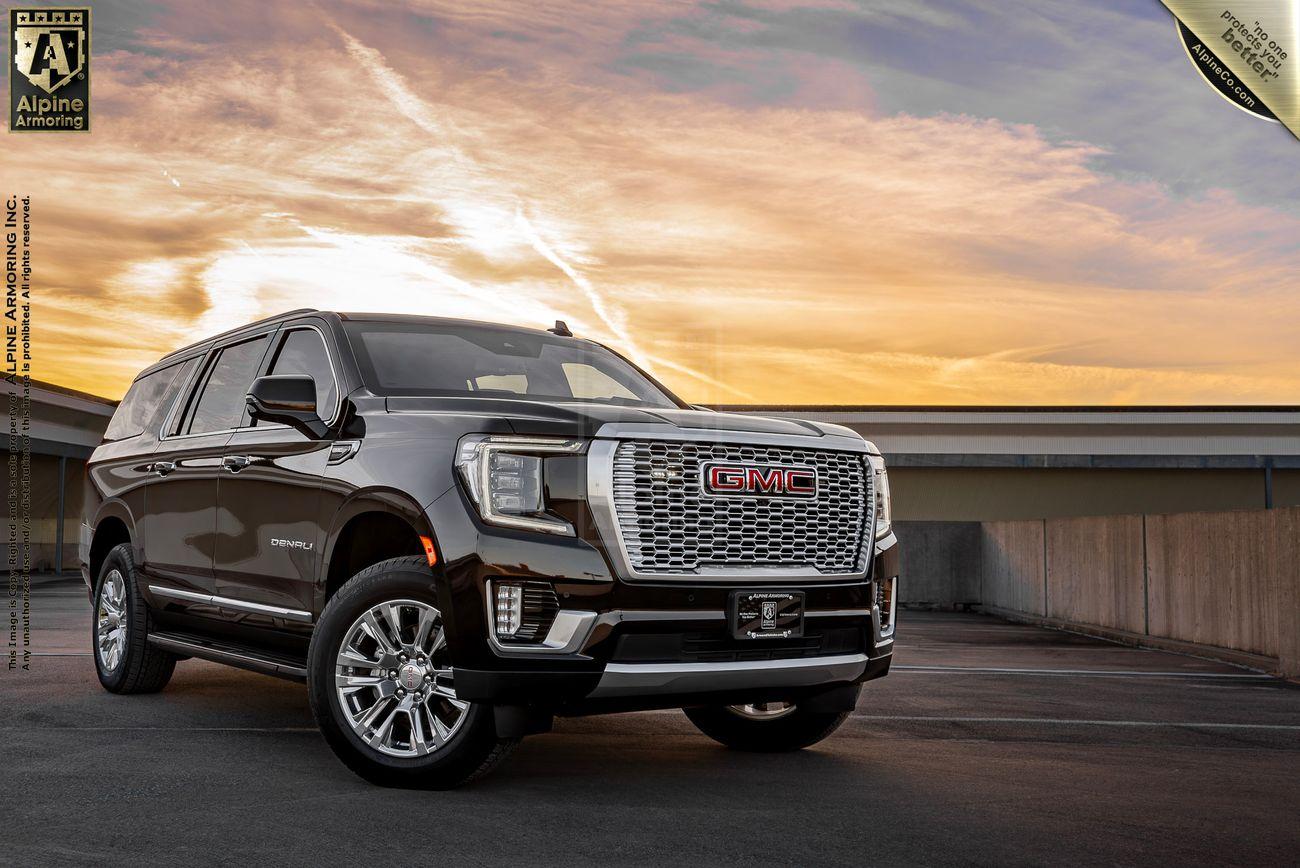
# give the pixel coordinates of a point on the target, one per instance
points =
(113, 526)
(371, 526)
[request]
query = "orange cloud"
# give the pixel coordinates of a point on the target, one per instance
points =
(745, 254)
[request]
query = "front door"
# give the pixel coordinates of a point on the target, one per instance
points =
(269, 533)
(269, 538)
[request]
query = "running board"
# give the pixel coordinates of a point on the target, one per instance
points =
(231, 655)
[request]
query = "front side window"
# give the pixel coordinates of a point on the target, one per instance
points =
(413, 358)
(220, 404)
(302, 351)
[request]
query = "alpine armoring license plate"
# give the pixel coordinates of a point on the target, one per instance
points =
(767, 614)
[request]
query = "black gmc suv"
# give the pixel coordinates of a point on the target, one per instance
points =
(453, 531)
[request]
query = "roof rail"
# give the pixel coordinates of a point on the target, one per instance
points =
(218, 336)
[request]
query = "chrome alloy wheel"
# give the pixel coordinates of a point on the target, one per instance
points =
(394, 682)
(110, 621)
(763, 710)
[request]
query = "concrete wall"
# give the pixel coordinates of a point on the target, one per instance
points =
(1225, 580)
(1217, 578)
(1011, 566)
(941, 560)
(1007, 494)
(44, 512)
(1095, 571)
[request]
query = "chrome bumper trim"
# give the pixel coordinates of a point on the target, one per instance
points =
(568, 633)
(722, 434)
(648, 679)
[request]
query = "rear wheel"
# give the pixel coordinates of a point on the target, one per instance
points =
(124, 659)
(382, 687)
(768, 727)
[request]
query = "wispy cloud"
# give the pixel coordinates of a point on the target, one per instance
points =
(777, 228)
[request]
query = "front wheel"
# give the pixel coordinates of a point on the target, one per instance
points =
(768, 727)
(382, 689)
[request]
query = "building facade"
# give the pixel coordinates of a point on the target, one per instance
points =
(63, 427)
(946, 463)
(995, 463)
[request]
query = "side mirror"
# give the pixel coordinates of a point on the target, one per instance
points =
(289, 399)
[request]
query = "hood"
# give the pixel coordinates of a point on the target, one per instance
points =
(581, 419)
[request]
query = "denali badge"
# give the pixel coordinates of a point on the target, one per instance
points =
(758, 480)
(277, 543)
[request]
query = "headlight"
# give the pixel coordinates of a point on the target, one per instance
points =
(504, 478)
(880, 484)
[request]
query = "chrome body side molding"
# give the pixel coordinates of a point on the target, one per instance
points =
(237, 605)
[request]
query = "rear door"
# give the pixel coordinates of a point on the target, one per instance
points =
(268, 525)
(122, 466)
(180, 524)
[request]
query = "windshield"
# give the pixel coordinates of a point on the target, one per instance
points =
(412, 358)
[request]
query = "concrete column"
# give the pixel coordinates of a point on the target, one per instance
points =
(58, 528)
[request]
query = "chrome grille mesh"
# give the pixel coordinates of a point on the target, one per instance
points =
(669, 525)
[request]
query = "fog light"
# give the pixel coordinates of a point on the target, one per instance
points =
(509, 610)
(885, 589)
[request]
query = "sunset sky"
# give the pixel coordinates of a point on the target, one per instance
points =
(761, 201)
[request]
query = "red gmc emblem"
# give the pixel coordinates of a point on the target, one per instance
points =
(772, 480)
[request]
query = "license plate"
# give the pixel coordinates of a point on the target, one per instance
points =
(767, 614)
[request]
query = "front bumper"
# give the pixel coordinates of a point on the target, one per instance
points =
(621, 646)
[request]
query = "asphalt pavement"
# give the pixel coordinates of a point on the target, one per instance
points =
(989, 743)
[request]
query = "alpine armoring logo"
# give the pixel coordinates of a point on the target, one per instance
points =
(49, 70)
(759, 480)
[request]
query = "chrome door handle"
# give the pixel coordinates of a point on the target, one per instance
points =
(162, 468)
(343, 450)
(235, 463)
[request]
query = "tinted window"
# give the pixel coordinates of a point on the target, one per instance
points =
(438, 359)
(591, 383)
(220, 405)
(140, 408)
(302, 351)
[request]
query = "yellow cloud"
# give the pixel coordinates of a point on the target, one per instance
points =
(747, 254)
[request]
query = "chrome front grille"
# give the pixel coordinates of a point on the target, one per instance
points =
(668, 524)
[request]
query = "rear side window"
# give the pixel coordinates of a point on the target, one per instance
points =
(302, 351)
(220, 403)
(140, 408)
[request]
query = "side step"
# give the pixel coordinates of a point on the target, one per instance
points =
(231, 655)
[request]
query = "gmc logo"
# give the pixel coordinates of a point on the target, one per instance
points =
(759, 479)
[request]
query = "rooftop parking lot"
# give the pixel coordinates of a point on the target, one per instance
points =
(989, 742)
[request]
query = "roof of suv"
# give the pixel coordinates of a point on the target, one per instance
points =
(435, 320)
(359, 317)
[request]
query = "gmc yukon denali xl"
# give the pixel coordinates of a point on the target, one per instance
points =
(454, 531)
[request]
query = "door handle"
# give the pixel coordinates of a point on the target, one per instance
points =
(343, 450)
(235, 463)
(162, 468)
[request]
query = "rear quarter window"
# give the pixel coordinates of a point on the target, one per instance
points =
(140, 408)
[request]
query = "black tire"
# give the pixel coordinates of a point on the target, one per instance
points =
(139, 667)
(791, 731)
(472, 750)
